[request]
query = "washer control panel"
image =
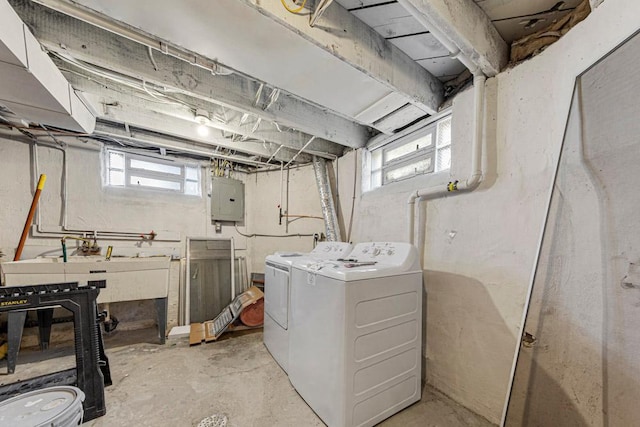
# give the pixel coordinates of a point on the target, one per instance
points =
(367, 260)
(394, 253)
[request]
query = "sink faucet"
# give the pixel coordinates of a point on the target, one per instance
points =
(89, 246)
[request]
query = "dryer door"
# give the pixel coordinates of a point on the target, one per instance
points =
(276, 294)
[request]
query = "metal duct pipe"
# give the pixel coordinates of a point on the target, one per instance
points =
(326, 200)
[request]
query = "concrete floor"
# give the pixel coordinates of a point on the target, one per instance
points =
(178, 385)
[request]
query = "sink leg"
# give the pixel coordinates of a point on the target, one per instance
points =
(45, 318)
(161, 310)
(15, 327)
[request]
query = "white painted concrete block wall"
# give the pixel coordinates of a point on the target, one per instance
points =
(93, 207)
(480, 248)
(263, 198)
(582, 366)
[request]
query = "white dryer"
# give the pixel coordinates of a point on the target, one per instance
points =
(277, 287)
(355, 334)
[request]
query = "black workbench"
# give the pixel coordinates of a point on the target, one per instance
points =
(92, 372)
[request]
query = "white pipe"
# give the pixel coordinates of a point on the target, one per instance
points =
(181, 293)
(36, 172)
(65, 187)
(472, 182)
(301, 150)
(281, 185)
(187, 284)
(286, 211)
(36, 165)
(65, 230)
(233, 268)
(479, 79)
(275, 153)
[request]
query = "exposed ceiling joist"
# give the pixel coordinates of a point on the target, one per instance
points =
(344, 36)
(112, 96)
(466, 25)
(341, 64)
(142, 137)
(99, 47)
(128, 110)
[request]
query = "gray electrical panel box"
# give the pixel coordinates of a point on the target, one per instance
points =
(227, 199)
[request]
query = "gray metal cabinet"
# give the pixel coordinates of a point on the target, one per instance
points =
(227, 199)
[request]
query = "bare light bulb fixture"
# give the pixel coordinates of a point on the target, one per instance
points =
(202, 118)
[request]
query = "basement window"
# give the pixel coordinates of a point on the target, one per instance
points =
(128, 170)
(423, 152)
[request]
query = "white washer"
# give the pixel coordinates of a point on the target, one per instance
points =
(355, 334)
(277, 286)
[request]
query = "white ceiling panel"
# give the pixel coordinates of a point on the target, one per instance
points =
(400, 118)
(353, 4)
(504, 9)
(400, 27)
(442, 67)
(390, 20)
(381, 15)
(421, 46)
(385, 105)
(513, 29)
(516, 28)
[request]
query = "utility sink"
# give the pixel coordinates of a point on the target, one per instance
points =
(128, 279)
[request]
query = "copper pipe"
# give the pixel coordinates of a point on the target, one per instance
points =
(32, 211)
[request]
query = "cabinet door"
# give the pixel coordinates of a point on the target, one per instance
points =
(227, 199)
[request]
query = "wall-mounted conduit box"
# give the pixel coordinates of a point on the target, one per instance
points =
(227, 199)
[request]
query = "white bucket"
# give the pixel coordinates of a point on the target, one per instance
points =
(52, 407)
